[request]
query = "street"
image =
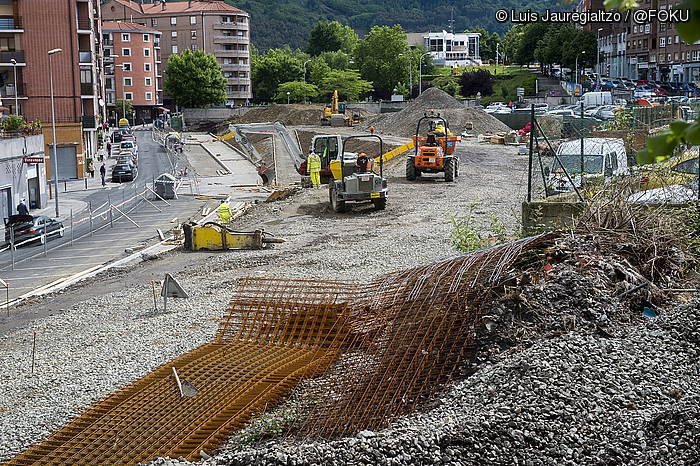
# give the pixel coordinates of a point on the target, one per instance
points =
(100, 238)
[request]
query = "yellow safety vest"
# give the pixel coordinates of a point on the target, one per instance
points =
(313, 163)
(223, 209)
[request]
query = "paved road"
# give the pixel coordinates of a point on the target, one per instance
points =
(104, 239)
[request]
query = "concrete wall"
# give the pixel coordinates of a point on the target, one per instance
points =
(542, 215)
(195, 116)
(15, 175)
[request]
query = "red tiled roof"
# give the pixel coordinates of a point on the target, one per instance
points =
(180, 7)
(126, 26)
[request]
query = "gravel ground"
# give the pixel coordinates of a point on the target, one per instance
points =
(98, 345)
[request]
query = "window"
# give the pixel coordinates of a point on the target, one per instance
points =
(662, 42)
(127, 82)
(126, 52)
(173, 34)
(634, 28)
(108, 53)
(126, 37)
(109, 83)
(226, 19)
(193, 20)
(154, 22)
(146, 52)
(647, 28)
(147, 82)
(128, 96)
(193, 34)
(149, 95)
(677, 39)
(174, 49)
(193, 47)
(146, 38)
(173, 21)
(126, 67)
(146, 67)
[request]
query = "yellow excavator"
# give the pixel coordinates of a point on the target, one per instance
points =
(334, 114)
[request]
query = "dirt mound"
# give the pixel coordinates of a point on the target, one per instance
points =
(403, 123)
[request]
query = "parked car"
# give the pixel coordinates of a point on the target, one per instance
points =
(126, 157)
(129, 145)
(124, 172)
(607, 112)
(30, 228)
(680, 169)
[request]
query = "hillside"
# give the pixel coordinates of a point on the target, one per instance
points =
(279, 22)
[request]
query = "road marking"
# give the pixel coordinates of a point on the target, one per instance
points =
(56, 266)
(35, 277)
(83, 257)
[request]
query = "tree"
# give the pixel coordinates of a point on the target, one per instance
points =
(331, 36)
(273, 68)
(511, 42)
(194, 79)
(472, 82)
(575, 44)
(448, 84)
(348, 84)
(336, 60)
(317, 69)
(533, 33)
(120, 105)
(381, 58)
(298, 92)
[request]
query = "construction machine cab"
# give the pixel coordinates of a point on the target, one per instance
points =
(356, 178)
(433, 153)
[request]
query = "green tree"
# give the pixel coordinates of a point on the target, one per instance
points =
(120, 105)
(336, 60)
(273, 68)
(533, 33)
(448, 84)
(349, 84)
(194, 79)
(316, 70)
(575, 44)
(511, 42)
(331, 36)
(298, 92)
(381, 59)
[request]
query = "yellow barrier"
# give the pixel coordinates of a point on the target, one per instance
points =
(396, 152)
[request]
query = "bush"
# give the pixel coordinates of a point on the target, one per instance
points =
(14, 123)
(468, 236)
(473, 82)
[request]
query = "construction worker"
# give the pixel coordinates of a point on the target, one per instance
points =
(223, 212)
(313, 164)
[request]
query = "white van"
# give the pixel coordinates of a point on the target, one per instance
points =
(597, 98)
(602, 159)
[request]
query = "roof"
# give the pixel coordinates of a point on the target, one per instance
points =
(126, 26)
(180, 7)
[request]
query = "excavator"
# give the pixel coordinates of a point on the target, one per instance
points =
(334, 114)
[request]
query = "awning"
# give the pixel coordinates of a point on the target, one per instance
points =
(163, 109)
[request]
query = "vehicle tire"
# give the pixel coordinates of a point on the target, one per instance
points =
(42, 239)
(456, 167)
(411, 169)
(61, 232)
(449, 169)
(338, 205)
(379, 204)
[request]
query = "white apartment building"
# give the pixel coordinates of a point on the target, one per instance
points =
(449, 49)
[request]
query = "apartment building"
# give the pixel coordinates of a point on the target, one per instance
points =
(28, 30)
(212, 26)
(448, 49)
(652, 50)
(132, 67)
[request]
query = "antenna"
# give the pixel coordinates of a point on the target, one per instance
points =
(452, 19)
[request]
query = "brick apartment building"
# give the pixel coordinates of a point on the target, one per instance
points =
(28, 30)
(644, 51)
(132, 67)
(212, 26)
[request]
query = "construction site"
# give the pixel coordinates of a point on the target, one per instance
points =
(410, 310)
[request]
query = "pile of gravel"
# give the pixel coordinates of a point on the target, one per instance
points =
(404, 123)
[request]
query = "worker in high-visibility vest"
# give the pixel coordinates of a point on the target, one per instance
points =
(223, 212)
(313, 164)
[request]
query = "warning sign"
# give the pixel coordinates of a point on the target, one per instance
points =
(172, 289)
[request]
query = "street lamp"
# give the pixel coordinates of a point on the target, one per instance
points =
(14, 69)
(307, 61)
(420, 73)
(597, 57)
(53, 126)
(581, 53)
(288, 97)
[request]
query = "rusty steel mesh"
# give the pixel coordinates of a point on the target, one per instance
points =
(368, 352)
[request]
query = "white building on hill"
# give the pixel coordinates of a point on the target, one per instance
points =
(448, 49)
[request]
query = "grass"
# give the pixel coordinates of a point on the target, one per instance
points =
(507, 80)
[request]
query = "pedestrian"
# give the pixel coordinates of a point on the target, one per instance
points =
(22, 207)
(103, 173)
(313, 164)
(223, 212)
(91, 168)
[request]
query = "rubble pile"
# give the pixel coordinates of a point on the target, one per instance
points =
(403, 123)
(290, 115)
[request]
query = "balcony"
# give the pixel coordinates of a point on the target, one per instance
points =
(84, 26)
(108, 42)
(89, 122)
(6, 57)
(85, 57)
(238, 80)
(9, 90)
(230, 25)
(235, 66)
(156, 44)
(11, 25)
(230, 40)
(87, 89)
(231, 53)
